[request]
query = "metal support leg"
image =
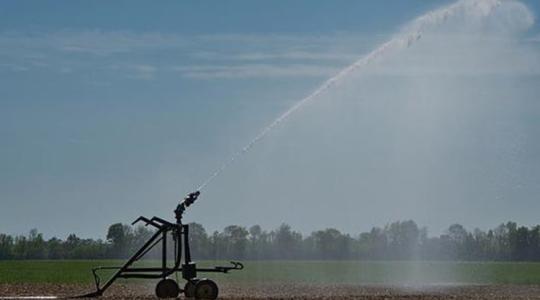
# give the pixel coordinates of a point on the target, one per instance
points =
(135, 257)
(164, 253)
(185, 229)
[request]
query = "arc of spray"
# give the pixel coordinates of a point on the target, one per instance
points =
(406, 39)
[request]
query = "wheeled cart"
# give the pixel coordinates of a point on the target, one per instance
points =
(200, 288)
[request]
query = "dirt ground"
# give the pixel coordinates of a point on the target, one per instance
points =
(292, 291)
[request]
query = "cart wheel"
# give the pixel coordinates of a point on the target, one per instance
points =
(206, 289)
(189, 288)
(167, 288)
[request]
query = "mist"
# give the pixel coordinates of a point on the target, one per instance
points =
(439, 132)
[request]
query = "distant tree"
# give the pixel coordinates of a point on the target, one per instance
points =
(511, 228)
(199, 242)
(35, 245)
(20, 247)
(55, 249)
(491, 253)
(397, 240)
(375, 243)
(259, 243)
(364, 246)
(70, 246)
(521, 245)
(236, 240)
(6, 246)
(139, 236)
(331, 244)
(287, 243)
(534, 244)
(218, 247)
(403, 239)
(457, 233)
(455, 241)
(481, 245)
(501, 242)
(120, 236)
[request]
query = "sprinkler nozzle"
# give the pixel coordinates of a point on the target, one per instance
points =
(191, 197)
(188, 200)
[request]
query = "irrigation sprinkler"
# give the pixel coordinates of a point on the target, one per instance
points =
(200, 288)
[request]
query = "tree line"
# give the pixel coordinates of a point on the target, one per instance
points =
(402, 240)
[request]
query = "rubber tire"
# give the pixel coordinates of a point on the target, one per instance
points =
(206, 289)
(189, 288)
(167, 288)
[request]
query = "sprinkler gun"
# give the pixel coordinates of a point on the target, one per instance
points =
(188, 200)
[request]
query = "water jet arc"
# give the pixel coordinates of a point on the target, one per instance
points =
(408, 37)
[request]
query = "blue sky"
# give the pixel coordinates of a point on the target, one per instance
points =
(110, 110)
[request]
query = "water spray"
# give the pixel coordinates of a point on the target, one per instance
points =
(408, 37)
(164, 230)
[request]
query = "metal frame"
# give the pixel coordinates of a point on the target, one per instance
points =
(180, 234)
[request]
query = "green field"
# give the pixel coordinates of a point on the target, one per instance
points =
(350, 272)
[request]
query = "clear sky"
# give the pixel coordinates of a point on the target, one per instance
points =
(114, 109)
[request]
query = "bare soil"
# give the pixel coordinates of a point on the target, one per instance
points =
(293, 291)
